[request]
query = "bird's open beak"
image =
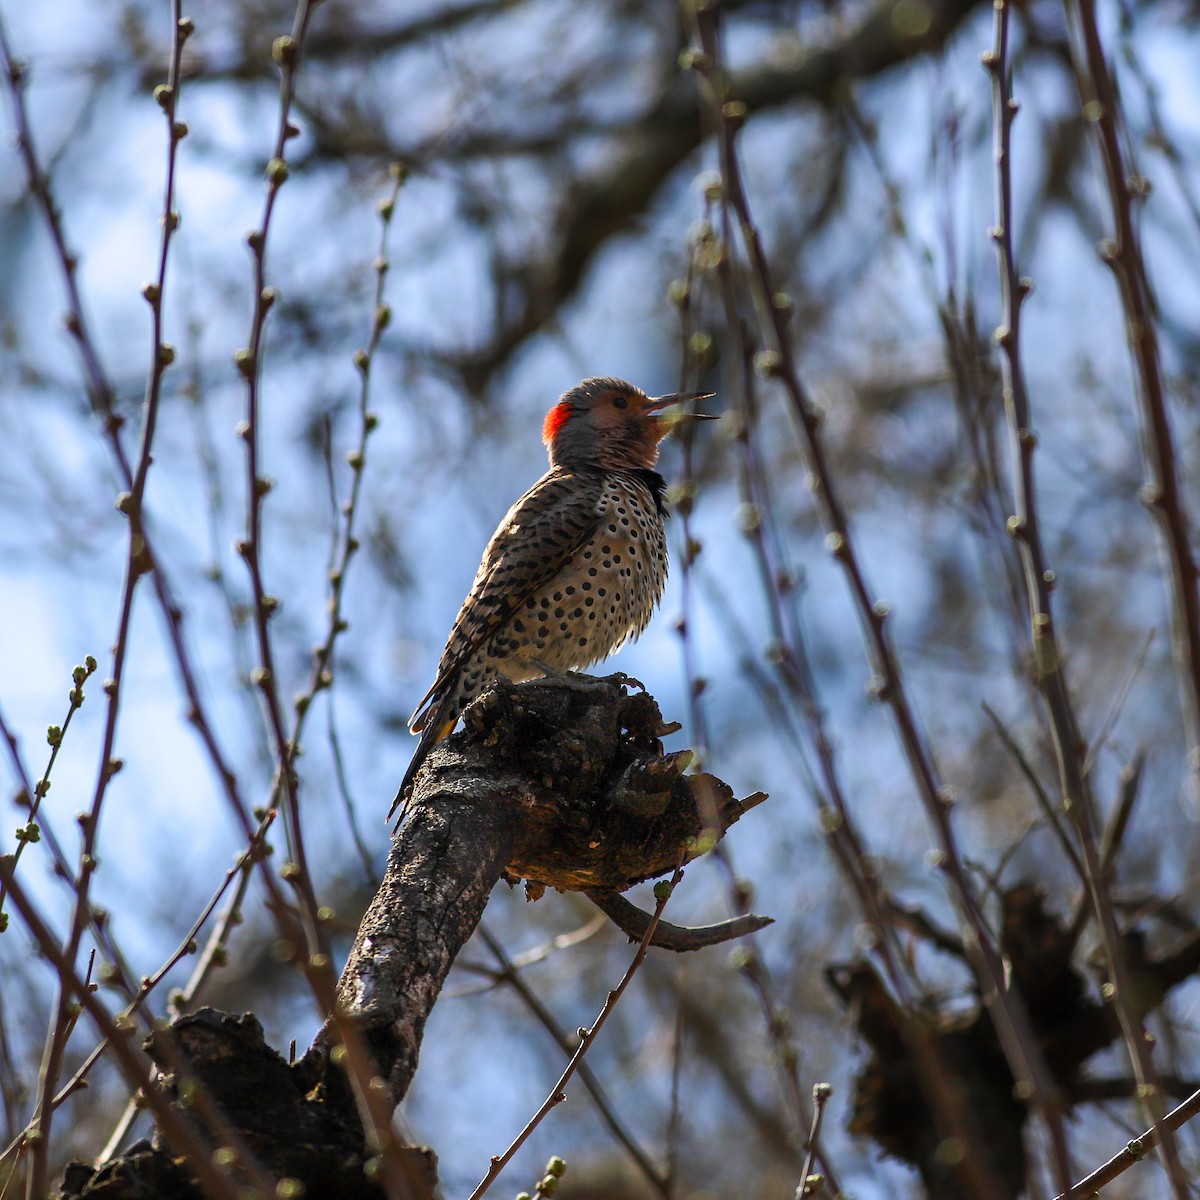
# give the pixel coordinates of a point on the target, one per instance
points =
(655, 403)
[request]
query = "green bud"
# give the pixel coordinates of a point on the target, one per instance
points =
(734, 111)
(29, 833)
(694, 60)
(768, 363)
(285, 51)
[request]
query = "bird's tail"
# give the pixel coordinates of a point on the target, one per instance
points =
(438, 725)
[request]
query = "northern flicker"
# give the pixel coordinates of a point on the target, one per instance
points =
(576, 566)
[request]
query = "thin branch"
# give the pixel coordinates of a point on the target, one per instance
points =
(586, 1038)
(100, 392)
(138, 563)
(1134, 1152)
(182, 1133)
(1118, 703)
(1049, 811)
(509, 974)
(778, 362)
(32, 795)
(249, 362)
(785, 1057)
(821, 1094)
(345, 540)
(633, 922)
(1161, 493)
(789, 651)
(1100, 1091)
(1049, 670)
(213, 953)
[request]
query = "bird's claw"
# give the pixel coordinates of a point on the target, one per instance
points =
(586, 683)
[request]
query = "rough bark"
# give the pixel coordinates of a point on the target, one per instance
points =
(562, 783)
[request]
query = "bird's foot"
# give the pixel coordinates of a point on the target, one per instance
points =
(586, 683)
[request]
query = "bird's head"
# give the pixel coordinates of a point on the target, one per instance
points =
(610, 423)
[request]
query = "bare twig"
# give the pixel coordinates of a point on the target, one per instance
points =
(1161, 493)
(789, 652)
(249, 362)
(1049, 811)
(212, 953)
(345, 541)
(586, 1038)
(1134, 1151)
(632, 922)
(1118, 703)
(182, 1133)
(785, 1058)
(100, 392)
(302, 937)
(1049, 671)
(511, 975)
(138, 562)
(187, 946)
(821, 1094)
(778, 362)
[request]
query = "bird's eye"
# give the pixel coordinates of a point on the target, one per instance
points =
(620, 402)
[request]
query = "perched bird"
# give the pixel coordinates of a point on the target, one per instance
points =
(576, 566)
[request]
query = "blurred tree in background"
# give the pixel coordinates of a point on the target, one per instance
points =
(973, 701)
